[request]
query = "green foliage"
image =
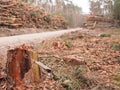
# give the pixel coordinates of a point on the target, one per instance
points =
(31, 1)
(116, 46)
(105, 35)
(68, 43)
(118, 60)
(82, 80)
(68, 83)
(47, 18)
(116, 79)
(69, 19)
(32, 14)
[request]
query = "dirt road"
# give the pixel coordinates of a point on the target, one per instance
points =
(28, 39)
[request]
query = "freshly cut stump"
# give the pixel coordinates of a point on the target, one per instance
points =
(18, 63)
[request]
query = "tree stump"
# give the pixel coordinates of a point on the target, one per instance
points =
(35, 67)
(19, 63)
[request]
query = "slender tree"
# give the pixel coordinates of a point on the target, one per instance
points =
(117, 10)
(102, 7)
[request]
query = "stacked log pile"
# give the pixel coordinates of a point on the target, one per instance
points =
(98, 18)
(16, 14)
(96, 21)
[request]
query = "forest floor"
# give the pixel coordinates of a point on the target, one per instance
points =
(83, 60)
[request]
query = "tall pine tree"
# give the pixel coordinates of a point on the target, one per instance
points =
(116, 11)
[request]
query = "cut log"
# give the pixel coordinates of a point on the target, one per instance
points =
(44, 66)
(94, 25)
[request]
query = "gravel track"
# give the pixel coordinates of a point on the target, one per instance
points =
(28, 39)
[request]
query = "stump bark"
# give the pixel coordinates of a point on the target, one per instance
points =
(19, 62)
